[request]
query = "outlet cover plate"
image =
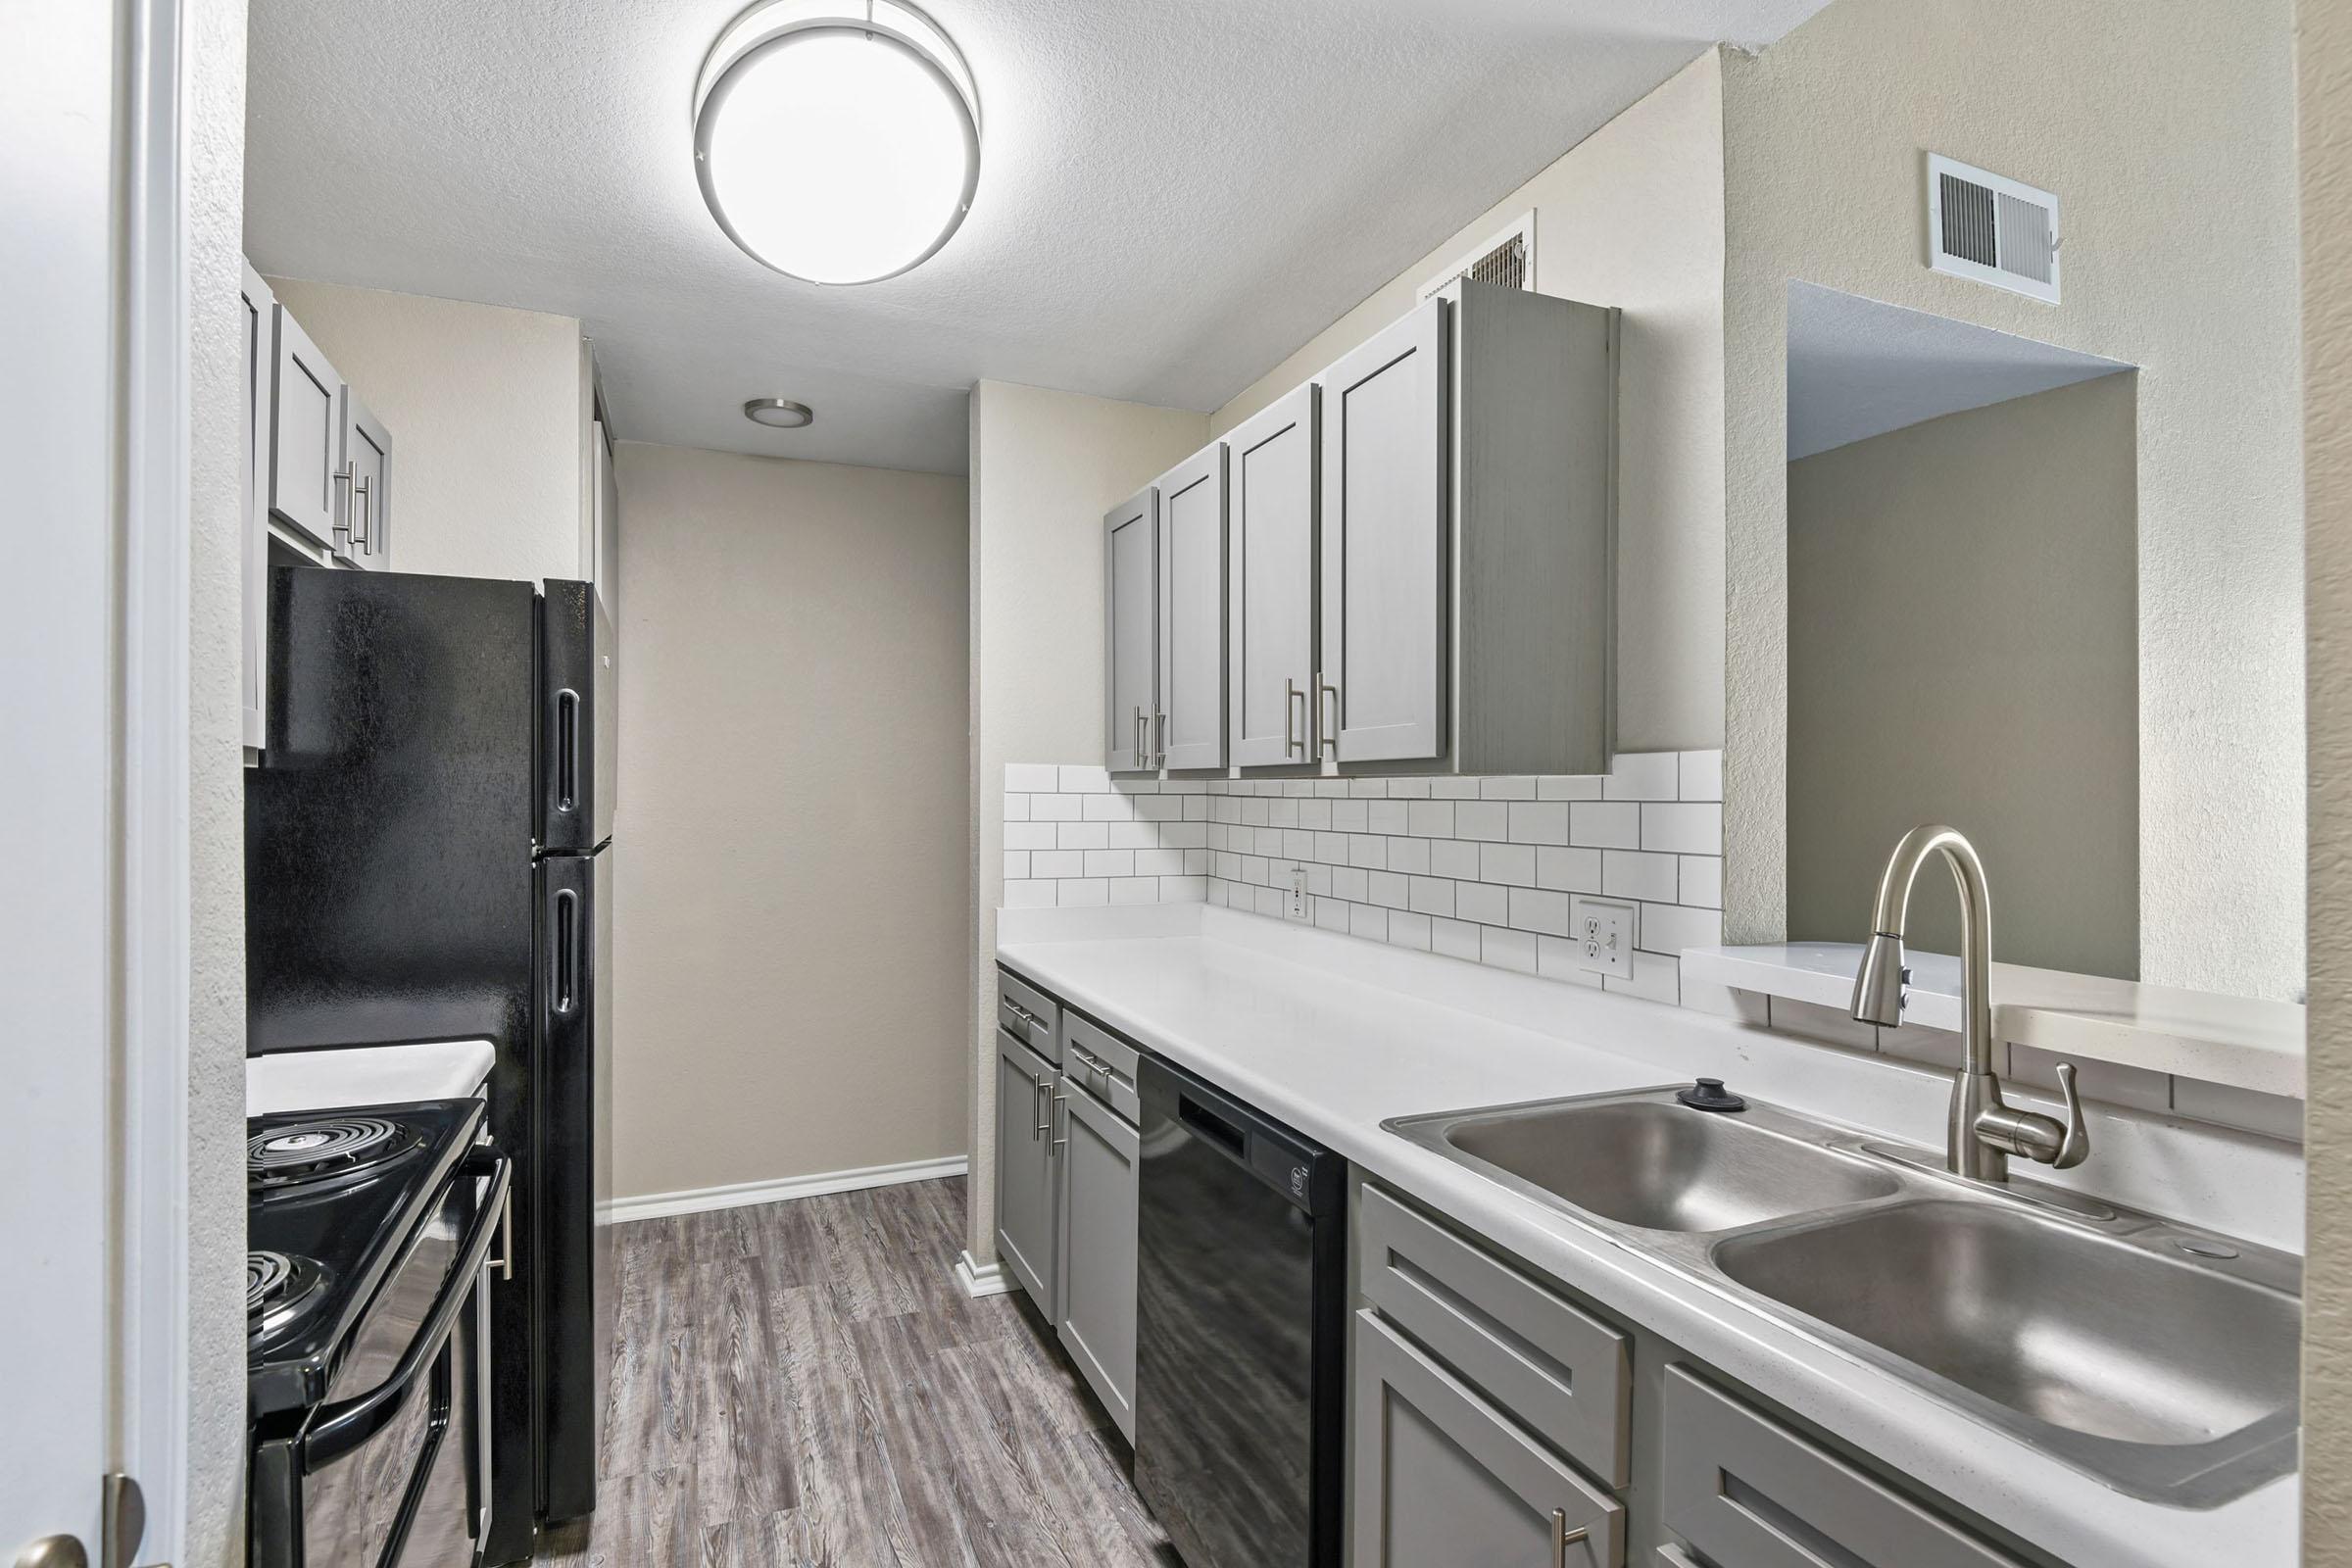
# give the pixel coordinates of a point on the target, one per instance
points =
(1602, 932)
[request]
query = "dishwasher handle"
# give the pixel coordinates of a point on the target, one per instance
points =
(1312, 1177)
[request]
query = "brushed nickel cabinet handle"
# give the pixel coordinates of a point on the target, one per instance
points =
(1562, 1538)
(1040, 1109)
(1293, 697)
(1159, 736)
(1331, 736)
(1141, 746)
(1061, 1102)
(343, 479)
(363, 502)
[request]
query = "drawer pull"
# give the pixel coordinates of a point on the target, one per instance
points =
(1562, 1538)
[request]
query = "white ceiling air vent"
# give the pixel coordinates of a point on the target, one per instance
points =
(1996, 231)
(1506, 260)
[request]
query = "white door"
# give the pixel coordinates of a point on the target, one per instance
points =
(1191, 611)
(1383, 544)
(1130, 635)
(56, 429)
(1272, 607)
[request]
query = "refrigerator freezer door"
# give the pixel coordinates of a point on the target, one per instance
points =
(574, 1155)
(578, 726)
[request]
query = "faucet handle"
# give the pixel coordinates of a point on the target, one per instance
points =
(2074, 1146)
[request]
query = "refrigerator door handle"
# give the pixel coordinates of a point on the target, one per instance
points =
(564, 973)
(568, 750)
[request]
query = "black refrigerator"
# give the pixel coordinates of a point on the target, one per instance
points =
(428, 855)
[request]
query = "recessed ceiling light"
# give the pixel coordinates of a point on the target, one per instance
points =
(837, 142)
(778, 413)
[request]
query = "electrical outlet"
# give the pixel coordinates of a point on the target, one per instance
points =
(1604, 934)
(1300, 907)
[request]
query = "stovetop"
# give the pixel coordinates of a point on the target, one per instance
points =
(332, 1199)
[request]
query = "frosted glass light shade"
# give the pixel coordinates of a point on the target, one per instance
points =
(832, 147)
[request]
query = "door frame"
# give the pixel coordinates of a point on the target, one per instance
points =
(154, 532)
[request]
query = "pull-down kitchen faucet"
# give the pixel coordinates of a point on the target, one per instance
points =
(1982, 1131)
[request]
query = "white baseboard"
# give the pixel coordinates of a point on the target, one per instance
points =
(739, 1195)
(981, 1278)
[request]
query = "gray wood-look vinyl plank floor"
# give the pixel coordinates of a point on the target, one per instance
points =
(804, 1385)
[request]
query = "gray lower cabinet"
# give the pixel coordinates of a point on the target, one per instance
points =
(1271, 642)
(1097, 1152)
(1131, 634)
(1442, 1476)
(1028, 1234)
(1744, 1492)
(1191, 611)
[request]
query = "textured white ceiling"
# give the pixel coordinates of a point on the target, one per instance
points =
(1174, 194)
(1859, 368)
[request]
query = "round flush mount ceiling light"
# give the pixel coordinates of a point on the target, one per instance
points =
(779, 413)
(836, 141)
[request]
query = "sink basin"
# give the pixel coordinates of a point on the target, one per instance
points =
(2116, 1342)
(1664, 1166)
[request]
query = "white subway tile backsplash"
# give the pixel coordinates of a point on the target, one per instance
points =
(1508, 863)
(1701, 881)
(1082, 836)
(1654, 978)
(1430, 895)
(1135, 890)
(1604, 824)
(1016, 865)
(1079, 892)
(1430, 820)
(1086, 779)
(1536, 909)
(1017, 808)
(1633, 874)
(1031, 778)
(1058, 864)
(1029, 895)
(1686, 828)
(1455, 938)
(1538, 822)
(1408, 930)
(1107, 807)
(1670, 928)
(1409, 855)
(1643, 776)
(1482, 820)
(1703, 776)
(1454, 857)
(1053, 807)
(1572, 788)
(1029, 835)
(1506, 789)
(1482, 901)
(1568, 869)
(1508, 950)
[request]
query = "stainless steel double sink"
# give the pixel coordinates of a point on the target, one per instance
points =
(2161, 1358)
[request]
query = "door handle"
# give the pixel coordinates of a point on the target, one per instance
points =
(505, 1261)
(346, 476)
(565, 981)
(1159, 736)
(1331, 736)
(363, 502)
(568, 750)
(1038, 1107)
(1293, 697)
(1139, 746)
(1061, 1102)
(1562, 1538)
(54, 1551)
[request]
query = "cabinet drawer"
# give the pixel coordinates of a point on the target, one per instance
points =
(1029, 1015)
(1746, 1492)
(1560, 1370)
(1101, 1061)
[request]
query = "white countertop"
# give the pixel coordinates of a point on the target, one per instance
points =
(2240, 1040)
(367, 1075)
(1335, 1036)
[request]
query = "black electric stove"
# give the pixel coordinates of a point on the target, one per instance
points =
(369, 1234)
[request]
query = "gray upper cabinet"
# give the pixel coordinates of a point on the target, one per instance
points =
(1131, 634)
(1746, 1492)
(1191, 611)
(1467, 538)
(306, 434)
(366, 537)
(256, 307)
(1440, 1476)
(1098, 1155)
(1384, 544)
(1027, 1234)
(1271, 604)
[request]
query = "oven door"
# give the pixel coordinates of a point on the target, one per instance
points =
(390, 1463)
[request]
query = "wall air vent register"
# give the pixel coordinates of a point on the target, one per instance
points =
(1992, 229)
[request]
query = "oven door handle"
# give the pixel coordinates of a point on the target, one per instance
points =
(343, 1427)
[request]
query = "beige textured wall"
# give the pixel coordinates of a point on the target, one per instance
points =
(1046, 466)
(1963, 647)
(2170, 137)
(789, 890)
(486, 409)
(2326, 69)
(1631, 217)
(213, 99)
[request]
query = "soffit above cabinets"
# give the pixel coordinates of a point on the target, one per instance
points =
(1174, 196)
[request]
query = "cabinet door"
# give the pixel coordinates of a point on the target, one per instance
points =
(1272, 605)
(1098, 1176)
(1191, 611)
(255, 304)
(365, 539)
(1442, 1476)
(1383, 544)
(305, 434)
(1025, 1220)
(1131, 633)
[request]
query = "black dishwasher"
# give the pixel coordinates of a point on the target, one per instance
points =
(1240, 1317)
